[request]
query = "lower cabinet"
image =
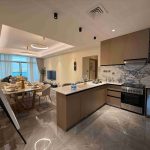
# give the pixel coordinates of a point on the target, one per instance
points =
(114, 101)
(114, 96)
(87, 101)
(73, 108)
(91, 100)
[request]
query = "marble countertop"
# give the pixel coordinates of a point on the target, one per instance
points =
(66, 90)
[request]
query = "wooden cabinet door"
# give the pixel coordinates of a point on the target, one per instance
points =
(73, 109)
(101, 96)
(87, 101)
(112, 51)
(114, 95)
(105, 52)
(131, 46)
(114, 101)
(117, 48)
(91, 100)
(137, 45)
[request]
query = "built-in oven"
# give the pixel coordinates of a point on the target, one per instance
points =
(133, 99)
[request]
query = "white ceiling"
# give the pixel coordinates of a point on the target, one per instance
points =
(36, 16)
(19, 42)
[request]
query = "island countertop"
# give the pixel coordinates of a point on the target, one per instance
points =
(66, 90)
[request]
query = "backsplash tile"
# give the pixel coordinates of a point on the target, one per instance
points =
(125, 73)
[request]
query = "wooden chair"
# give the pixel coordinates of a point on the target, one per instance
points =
(45, 92)
(2, 84)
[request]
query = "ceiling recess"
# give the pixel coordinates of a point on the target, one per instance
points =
(28, 51)
(97, 11)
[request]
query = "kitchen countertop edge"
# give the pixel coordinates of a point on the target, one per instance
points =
(62, 89)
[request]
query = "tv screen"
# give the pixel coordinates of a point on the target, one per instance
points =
(51, 75)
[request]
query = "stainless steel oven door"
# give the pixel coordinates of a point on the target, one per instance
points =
(132, 102)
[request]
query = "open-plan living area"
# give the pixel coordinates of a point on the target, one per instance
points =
(74, 75)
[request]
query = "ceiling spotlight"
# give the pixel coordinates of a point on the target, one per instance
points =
(55, 15)
(94, 37)
(113, 30)
(80, 29)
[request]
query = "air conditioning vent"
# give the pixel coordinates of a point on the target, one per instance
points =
(97, 11)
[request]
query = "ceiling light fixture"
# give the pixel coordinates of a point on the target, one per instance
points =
(113, 30)
(28, 52)
(39, 46)
(55, 15)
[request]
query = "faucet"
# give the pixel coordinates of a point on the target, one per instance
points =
(85, 78)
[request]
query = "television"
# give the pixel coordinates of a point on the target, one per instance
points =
(51, 75)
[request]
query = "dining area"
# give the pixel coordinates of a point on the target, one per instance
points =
(24, 95)
(27, 102)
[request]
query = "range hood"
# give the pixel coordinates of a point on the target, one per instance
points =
(136, 61)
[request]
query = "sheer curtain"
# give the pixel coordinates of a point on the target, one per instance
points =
(5, 66)
(33, 72)
(40, 64)
(16, 65)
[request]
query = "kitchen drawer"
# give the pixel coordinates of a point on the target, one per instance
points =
(114, 101)
(114, 87)
(114, 93)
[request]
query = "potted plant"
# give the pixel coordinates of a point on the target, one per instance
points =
(42, 73)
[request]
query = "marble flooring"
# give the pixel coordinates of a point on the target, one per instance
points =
(108, 128)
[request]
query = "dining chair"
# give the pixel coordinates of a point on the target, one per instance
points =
(45, 93)
(2, 84)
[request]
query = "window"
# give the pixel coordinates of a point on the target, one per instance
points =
(15, 69)
(16, 65)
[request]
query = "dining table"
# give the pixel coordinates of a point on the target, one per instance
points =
(13, 91)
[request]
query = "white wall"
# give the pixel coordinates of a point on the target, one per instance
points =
(63, 64)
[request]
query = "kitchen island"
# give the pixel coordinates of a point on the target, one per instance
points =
(75, 105)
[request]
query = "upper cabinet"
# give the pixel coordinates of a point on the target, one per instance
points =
(137, 45)
(105, 52)
(116, 49)
(130, 46)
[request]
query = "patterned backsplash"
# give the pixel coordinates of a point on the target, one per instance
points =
(135, 73)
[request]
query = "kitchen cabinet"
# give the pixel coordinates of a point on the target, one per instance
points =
(137, 45)
(131, 46)
(92, 99)
(113, 101)
(114, 96)
(68, 110)
(112, 51)
(105, 52)
(117, 48)
(87, 101)
(74, 107)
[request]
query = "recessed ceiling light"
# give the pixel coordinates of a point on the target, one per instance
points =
(113, 30)
(39, 46)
